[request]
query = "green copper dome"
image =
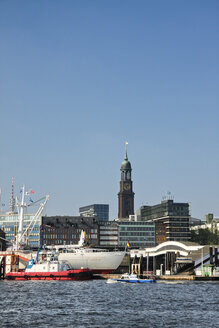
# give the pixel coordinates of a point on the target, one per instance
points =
(126, 165)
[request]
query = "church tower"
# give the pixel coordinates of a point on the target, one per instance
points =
(126, 195)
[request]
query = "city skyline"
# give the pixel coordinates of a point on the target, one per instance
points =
(78, 80)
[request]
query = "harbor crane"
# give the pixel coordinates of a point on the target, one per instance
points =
(20, 240)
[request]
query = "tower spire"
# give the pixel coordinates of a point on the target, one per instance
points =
(126, 156)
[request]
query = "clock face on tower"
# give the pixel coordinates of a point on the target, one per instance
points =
(127, 186)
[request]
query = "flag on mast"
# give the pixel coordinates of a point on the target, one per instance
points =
(30, 192)
(128, 244)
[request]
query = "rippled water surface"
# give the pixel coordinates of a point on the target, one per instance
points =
(98, 304)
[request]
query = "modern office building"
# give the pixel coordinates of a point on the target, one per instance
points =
(9, 224)
(108, 234)
(126, 194)
(101, 211)
(171, 220)
(60, 230)
(139, 234)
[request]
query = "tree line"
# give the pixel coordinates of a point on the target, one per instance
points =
(205, 236)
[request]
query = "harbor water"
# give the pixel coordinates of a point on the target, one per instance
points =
(99, 304)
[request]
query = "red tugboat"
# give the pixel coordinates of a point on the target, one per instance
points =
(50, 269)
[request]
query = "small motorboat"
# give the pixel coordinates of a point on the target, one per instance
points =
(133, 278)
(50, 269)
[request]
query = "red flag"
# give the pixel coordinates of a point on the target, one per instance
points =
(32, 191)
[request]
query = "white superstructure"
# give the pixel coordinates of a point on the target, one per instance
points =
(51, 264)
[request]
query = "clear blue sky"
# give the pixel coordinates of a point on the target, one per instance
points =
(79, 78)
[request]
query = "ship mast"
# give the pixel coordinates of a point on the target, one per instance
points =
(12, 200)
(20, 238)
(21, 206)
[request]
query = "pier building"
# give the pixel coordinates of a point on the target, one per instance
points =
(174, 257)
(100, 211)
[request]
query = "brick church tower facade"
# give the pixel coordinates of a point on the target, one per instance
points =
(126, 194)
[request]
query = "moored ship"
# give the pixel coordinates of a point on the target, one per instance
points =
(97, 260)
(50, 269)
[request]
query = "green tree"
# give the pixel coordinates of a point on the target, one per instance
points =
(205, 236)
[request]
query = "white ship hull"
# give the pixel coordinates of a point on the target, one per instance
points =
(96, 260)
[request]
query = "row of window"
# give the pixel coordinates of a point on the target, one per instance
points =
(178, 224)
(14, 218)
(176, 235)
(61, 241)
(111, 232)
(136, 239)
(176, 220)
(134, 223)
(163, 214)
(14, 227)
(136, 228)
(34, 243)
(66, 235)
(109, 243)
(138, 244)
(150, 233)
(109, 238)
(178, 229)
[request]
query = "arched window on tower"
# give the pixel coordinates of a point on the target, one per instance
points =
(122, 175)
(128, 175)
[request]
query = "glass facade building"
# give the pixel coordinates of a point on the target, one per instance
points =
(139, 234)
(95, 210)
(9, 224)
